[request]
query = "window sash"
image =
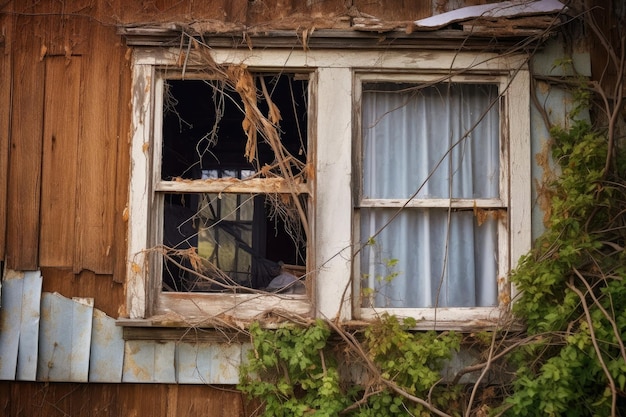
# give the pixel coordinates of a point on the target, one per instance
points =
(211, 302)
(448, 282)
(457, 267)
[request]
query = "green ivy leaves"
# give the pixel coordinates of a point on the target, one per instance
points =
(573, 290)
(295, 371)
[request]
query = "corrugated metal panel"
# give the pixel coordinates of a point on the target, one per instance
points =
(208, 363)
(52, 338)
(10, 321)
(19, 321)
(107, 350)
(65, 338)
(29, 327)
(148, 361)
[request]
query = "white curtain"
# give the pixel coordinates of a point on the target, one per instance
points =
(442, 140)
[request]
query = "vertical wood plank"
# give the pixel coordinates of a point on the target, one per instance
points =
(97, 151)
(6, 23)
(520, 210)
(63, 26)
(25, 153)
(333, 211)
(139, 195)
(60, 142)
(202, 400)
(122, 169)
(65, 338)
(129, 400)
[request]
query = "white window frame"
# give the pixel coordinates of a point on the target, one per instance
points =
(335, 76)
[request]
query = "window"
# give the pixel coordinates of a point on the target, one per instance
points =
(436, 147)
(433, 200)
(398, 199)
(243, 241)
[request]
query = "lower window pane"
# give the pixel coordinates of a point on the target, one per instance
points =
(428, 258)
(228, 243)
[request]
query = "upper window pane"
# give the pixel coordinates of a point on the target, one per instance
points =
(442, 140)
(203, 127)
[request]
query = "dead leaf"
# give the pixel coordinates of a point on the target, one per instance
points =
(42, 52)
(135, 268)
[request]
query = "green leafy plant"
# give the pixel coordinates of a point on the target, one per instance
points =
(295, 372)
(292, 370)
(573, 289)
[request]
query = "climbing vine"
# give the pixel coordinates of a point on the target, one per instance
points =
(573, 289)
(570, 360)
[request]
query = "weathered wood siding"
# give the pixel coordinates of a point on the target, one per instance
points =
(63, 136)
(65, 142)
(131, 400)
(64, 127)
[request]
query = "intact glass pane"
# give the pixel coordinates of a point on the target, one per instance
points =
(428, 258)
(437, 141)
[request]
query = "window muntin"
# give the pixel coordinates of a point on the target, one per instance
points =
(229, 241)
(432, 204)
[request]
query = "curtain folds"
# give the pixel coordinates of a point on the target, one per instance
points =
(441, 142)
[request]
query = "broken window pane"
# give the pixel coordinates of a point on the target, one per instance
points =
(231, 242)
(202, 126)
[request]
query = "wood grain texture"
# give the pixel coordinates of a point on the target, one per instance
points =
(123, 168)
(401, 9)
(6, 24)
(108, 295)
(181, 11)
(23, 193)
(113, 400)
(97, 157)
(60, 146)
